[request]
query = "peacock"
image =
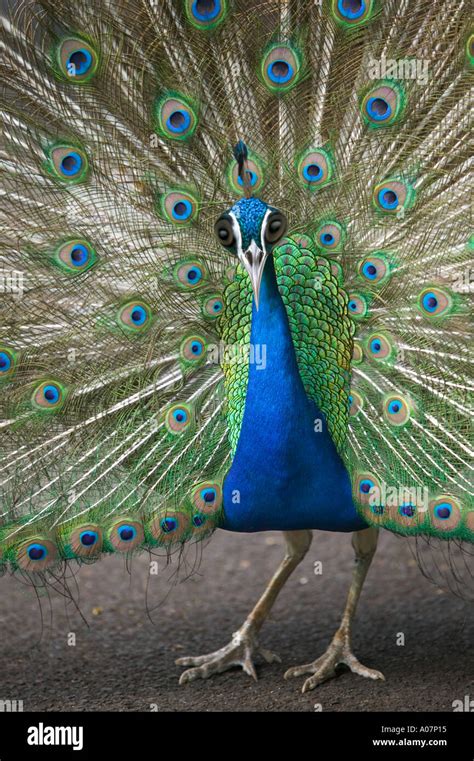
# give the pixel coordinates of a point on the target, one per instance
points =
(235, 276)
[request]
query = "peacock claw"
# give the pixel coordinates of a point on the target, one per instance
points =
(239, 652)
(324, 668)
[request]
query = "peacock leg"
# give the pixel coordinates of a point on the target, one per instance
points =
(339, 651)
(244, 645)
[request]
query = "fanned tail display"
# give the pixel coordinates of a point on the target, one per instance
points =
(128, 128)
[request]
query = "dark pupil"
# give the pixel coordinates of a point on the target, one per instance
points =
(352, 5)
(49, 395)
(69, 163)
(280, 69)
(126, 534)
(390, 196)
(313, 170)
(205, 6)
(371, 269)
(432, 302)
(88, 539)
(76, 255)
(3, 362)
(275, 226)
(36, 553)
(380, 106)
(177, 119)
(78, 59)
(223, 233)
(444, 512)
(180, 208)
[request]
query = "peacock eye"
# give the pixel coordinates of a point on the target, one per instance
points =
(276, 227)
(225, 232)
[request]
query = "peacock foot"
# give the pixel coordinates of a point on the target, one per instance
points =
(324, 668)
(241, 651)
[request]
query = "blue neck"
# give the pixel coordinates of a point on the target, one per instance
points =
(282, 470)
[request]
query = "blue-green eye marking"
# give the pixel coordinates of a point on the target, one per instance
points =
(213, 306)
(198, 520)
(138, 315)
(88, 538)
(388, 199)
(71, 164)
(394, 406)
(379, 109)
(36, 552)
(206, 10)
(51, 394)
(5, 362)
(168, 525)
(280, 72)
(79, 255)
(443, 511)
(252, 178)
(194, 275)
(430, 302)
(365, 486)
(369, 270)
(180, 415)
(79, 62)
(313, 173)
(205, 14)
(208, 495)
(182, 210)
(197, 348)
(327, 239)
(375, 346)
(127, 533)
(178, 121)
(351, 9)
(377, 509)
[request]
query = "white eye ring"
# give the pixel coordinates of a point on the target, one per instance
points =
(237, 233)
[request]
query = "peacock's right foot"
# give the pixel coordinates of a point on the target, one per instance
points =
(241, 651)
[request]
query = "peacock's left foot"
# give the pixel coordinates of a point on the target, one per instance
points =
(324, 668)
(239, 652)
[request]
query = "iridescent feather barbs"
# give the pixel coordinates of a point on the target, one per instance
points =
(118, 429)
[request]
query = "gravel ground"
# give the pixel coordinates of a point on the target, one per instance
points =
(124, 661)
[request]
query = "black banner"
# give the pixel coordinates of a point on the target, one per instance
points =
(321, 735)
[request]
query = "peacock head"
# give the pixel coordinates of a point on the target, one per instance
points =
(250, 229)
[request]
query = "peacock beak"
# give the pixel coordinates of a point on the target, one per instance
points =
(253, 259)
